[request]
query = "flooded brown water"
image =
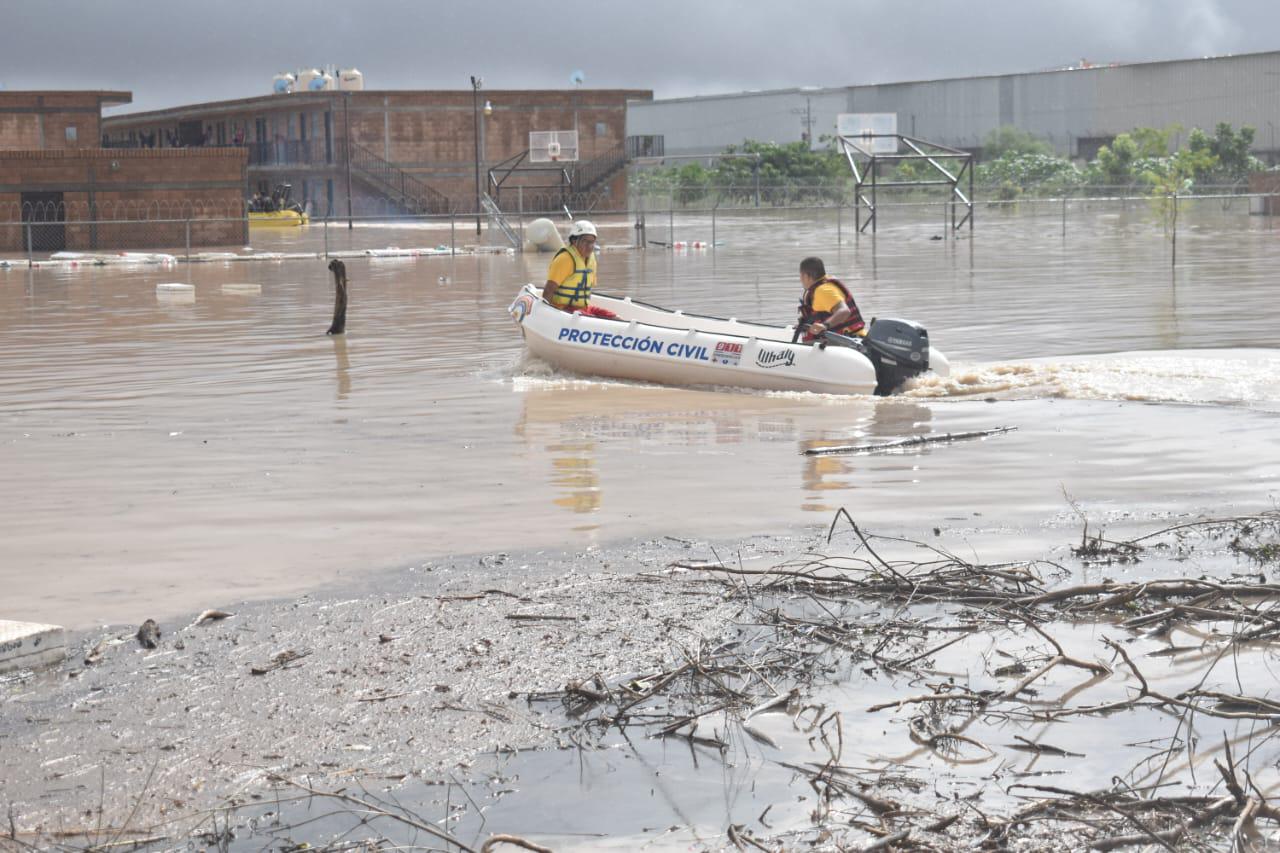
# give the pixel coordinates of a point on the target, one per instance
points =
(161, 455)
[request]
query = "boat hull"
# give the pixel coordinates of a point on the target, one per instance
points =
(651, 344)
(278, 219)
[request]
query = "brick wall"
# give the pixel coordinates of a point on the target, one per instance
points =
(115, 184)
(41, 120)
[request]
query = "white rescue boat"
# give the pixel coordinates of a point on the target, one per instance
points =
(654, 344)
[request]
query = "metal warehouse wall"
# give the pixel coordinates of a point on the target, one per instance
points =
(1061, 107)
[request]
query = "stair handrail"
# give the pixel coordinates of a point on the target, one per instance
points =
(398, 182)
(585, 175)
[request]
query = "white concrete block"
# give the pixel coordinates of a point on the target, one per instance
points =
(27, 645)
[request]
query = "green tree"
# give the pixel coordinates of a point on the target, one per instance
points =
(1152, 142)
(1115, 163)
(1232, 150)
(1008, 140)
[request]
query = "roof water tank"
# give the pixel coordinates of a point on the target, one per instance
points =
(305, 79)
(350, 80)
(282, 83)
(325, 82)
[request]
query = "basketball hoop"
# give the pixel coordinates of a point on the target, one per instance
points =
(553, 146)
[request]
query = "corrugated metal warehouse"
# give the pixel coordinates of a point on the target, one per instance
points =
(1074, 109)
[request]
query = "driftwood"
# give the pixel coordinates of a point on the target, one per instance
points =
(809, 617)
(339, 324)
(906, 442)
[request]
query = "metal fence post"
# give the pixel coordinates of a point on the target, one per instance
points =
(453, 238)
(671, 221)
(839, 223)
(713, 226)
(1175, 230)
(188, 239)
(326, 238)
(1064, 214)
(29, 243)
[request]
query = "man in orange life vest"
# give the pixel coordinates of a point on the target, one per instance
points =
(827, 305)
(572, 274)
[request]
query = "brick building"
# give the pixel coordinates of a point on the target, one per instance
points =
(60, 189)
(407, 151)
(44, 121)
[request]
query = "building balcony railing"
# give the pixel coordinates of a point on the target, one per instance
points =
(294, 152)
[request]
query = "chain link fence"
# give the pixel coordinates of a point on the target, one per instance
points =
(200, 232)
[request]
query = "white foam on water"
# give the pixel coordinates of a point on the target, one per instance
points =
(1239, 377)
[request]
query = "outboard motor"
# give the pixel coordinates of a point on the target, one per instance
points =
(899, 350)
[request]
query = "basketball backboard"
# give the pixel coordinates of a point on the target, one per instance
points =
(553, 146)
(874, 133)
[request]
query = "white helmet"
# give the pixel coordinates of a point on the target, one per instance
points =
(582, 228)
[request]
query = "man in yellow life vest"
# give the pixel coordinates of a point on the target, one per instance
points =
(572, 274)
(827, 305)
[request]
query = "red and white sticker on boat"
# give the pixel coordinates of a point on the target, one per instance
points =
(727, 353)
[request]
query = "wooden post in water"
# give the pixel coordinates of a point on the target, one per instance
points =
(339, 324)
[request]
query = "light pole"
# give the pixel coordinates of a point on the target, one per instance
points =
(476, 83)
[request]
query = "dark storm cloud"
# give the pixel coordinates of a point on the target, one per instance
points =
(184, 52)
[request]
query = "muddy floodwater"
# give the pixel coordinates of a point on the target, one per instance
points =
(162, 454)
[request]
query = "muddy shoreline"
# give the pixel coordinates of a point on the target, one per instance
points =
(856, 690)
(426, 668)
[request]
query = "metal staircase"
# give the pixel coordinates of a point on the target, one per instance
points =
(587, 176)
(404, 190)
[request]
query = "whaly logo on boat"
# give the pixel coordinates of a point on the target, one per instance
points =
(775, 358)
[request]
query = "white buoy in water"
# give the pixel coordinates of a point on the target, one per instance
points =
(542, 236)
(175, 287)
(242, 289)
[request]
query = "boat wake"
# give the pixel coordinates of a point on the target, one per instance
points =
(1209, 377)
(1241, 377)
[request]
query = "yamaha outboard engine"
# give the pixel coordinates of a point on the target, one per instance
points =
(899, 349)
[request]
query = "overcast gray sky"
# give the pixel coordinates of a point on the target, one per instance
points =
(188, 51)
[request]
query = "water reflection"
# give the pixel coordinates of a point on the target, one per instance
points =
(574, 474)
(580, 426)
(342, 366)
(880, 420)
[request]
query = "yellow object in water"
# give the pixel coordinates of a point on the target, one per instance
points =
(279, 218)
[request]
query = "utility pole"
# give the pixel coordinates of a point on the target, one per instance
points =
(346, 126)
(476, 83)
(807, 112)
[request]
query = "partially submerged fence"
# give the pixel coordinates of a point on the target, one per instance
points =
(189, 230)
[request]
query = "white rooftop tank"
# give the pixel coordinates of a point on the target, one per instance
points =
(324, 83)
(305, 80)
(350, 80)
(283, 83)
